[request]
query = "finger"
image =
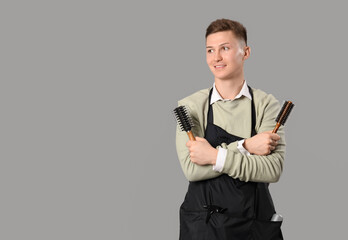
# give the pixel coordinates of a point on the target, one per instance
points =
(273, 143)
(275, 136)
(189, 143)
(268, 151)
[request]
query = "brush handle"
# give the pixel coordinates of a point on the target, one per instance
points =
(276, 128)
(191, 136)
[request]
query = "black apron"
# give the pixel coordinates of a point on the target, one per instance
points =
(226, 208)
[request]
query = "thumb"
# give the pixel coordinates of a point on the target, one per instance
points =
(199, 139)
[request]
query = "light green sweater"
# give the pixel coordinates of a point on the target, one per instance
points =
(235, 117)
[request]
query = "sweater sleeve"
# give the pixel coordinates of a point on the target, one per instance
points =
(192, 171)
(254, 167)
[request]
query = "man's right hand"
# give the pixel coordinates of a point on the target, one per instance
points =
(262, 143)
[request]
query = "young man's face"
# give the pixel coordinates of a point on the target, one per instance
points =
(225, 56)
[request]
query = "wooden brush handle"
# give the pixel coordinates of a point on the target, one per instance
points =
(276, 128)
(191, 136)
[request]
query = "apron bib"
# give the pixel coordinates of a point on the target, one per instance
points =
(224, 208)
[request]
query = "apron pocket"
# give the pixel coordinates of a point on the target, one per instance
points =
(251, 229)
(238, 228)
(224, 227)
(192, 225)
(266, 230)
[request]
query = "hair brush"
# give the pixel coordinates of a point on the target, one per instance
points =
(184, 120)
(283, 115)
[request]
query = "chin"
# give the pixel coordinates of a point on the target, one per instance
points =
(222, 76)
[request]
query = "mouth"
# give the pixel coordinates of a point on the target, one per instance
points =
(221, 66)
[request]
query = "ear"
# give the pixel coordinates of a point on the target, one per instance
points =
(246, 52)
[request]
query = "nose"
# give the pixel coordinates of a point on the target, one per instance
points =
(217, 56)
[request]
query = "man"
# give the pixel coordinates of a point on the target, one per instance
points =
(235, 154)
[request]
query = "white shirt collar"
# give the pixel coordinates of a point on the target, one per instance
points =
(215, 96)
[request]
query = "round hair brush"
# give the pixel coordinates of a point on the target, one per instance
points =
(184, 120)
(283, 115)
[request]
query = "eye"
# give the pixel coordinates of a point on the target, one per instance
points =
(226, 48)
(210, 50)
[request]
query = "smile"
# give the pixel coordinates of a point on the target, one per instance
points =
(219, 66)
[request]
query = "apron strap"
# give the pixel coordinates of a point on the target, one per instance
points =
(253, 113)
(210, 109)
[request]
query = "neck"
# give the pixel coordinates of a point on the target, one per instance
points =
(229, 89)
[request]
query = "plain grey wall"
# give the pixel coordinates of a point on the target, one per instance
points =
(87, 90)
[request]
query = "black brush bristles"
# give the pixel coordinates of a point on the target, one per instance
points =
(284, 112)
(287, 114)
(281, 111)
(183, 118)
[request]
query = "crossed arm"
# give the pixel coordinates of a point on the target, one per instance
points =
(264, 165)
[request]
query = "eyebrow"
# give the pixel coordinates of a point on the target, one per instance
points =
(219, 45)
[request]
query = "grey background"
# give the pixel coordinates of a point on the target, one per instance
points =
(87, 90)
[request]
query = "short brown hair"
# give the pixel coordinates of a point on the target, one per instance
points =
(223, 24)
